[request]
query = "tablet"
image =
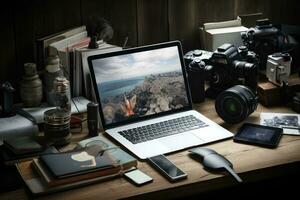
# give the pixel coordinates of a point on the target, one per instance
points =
(259, 135)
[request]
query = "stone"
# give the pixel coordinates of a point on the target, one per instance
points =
(163, 103)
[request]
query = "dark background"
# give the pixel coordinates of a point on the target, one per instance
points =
(143, 21)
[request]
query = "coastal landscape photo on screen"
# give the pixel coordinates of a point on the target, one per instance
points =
(139, 84)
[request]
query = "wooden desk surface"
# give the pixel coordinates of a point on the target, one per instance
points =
(252, 163)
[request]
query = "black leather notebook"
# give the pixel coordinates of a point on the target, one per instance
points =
(63, 165)
(23, 145)
(9, 158)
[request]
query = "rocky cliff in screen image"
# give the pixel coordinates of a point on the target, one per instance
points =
(144, 96)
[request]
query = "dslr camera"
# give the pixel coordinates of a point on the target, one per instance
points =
(224, 68)
(278, 68)
(231, 74)
(233, 82)
(231, 66)
(265, 39)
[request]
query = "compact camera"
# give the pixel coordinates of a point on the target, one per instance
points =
(279, 68)
(265, 39)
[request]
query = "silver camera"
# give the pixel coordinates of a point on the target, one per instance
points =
(279, 68)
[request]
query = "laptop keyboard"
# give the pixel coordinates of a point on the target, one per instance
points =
(162, 129)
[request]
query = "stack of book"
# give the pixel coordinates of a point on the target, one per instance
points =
(71, 46)
(96, 159)
(70, 167)
(22, 148)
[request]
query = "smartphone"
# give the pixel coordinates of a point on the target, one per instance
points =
(138, 177)
(167, 168)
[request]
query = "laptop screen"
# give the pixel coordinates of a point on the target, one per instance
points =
(138, 83)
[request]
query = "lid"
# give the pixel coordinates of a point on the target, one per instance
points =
(56, 117)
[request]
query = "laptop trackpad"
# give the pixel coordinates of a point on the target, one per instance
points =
(180, 141)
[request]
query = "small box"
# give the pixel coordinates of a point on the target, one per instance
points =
(272, 95)
(217, 37)
(214, 34)
(269, 94)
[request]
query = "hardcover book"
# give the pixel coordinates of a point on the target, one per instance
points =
(10, 158)
(38, 186)
(81, 55)
(22, 145)
(52, 181)
(42, 44)
(125, 159)
(40, 180)
(68, 164)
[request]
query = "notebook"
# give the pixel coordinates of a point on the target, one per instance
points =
(74, 163)
(144, 101)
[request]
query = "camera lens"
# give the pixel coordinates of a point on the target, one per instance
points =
(236, 104)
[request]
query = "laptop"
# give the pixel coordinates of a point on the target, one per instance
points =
(144, 101)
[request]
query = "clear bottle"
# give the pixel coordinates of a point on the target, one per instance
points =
(52, 71)
(62, 93)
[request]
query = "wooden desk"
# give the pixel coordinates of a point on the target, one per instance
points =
(252, 163)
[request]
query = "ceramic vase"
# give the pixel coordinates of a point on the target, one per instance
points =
(31, 86)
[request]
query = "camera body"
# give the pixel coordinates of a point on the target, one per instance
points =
(223, 68)
(197, 54)
(198, 69)
(232, 66)
(278, 68)
(265, 39)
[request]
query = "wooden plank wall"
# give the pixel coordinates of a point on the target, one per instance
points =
(7, 47)
(142, 21)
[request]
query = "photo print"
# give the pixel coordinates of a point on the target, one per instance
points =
(290, 123)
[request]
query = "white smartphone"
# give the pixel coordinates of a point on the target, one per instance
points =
(138, 177)
(167, 168)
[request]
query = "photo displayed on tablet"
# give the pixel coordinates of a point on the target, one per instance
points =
(260, 135)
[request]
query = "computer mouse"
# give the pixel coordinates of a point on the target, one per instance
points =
(201, 152)
(213, 161)
(210, 158)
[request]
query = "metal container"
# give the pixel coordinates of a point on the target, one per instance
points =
(57, 127)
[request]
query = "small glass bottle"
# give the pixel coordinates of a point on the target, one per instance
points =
(62, 93)
(52, 70)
